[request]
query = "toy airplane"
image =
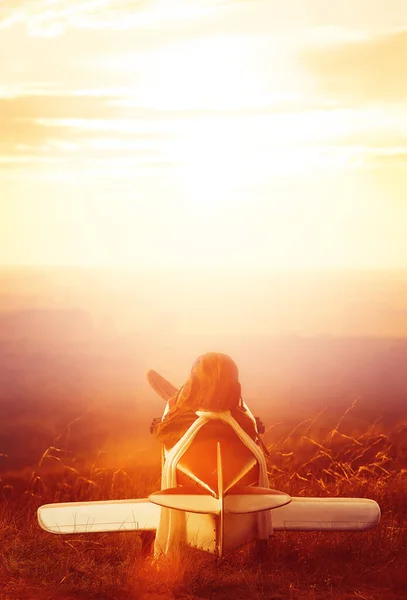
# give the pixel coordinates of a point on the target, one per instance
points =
(214, 496)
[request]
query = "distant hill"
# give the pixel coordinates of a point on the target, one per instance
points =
(65, 325)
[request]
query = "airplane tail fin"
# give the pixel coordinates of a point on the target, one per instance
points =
(238, 500)
(221, 500)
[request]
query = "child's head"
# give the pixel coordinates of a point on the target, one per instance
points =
(213, 384)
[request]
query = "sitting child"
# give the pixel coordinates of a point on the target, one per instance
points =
(213, 386)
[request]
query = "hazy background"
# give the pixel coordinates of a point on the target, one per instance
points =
(178, 177)
(309, 339)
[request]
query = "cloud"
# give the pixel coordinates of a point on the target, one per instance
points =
(55, 125)
(19, 115)
(385, 137)
(50, 18)
(391, 159)
(362, 71)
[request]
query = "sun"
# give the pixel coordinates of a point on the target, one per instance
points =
(212, 73)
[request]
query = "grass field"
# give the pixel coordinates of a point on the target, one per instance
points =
(325, 455)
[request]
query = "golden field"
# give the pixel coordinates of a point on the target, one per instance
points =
(313, 458)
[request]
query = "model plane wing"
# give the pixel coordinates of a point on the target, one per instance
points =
(95, 517)
(327, 514)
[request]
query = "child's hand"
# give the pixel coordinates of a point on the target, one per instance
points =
(260, 425)
(154, 422)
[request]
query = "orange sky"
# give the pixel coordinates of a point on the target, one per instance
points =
(268, 135)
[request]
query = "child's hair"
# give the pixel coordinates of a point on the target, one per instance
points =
(213, 384)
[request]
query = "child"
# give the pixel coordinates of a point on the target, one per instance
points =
(213, 386)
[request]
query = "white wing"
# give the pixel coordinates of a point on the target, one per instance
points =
(327, 514)
(94, 517)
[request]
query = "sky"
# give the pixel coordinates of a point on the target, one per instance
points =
(257, 135)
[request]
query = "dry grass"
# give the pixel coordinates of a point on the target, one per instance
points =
(320, 456)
